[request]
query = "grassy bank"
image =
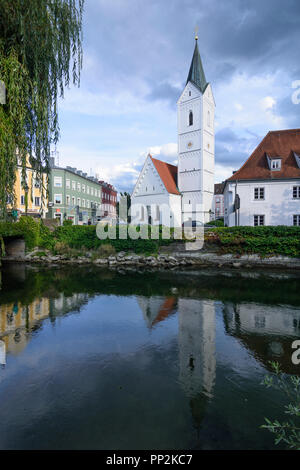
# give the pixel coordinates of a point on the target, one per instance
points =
(76, 239)
(73, 240)
(265, 241)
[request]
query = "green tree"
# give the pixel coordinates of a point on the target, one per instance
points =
(289, 430)
(127, 198)
(40, 54)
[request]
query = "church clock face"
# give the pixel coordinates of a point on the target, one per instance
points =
(189, 144)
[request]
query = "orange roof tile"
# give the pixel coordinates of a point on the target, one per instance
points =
(279, 144)
(168, 175)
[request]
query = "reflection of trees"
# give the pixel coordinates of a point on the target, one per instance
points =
(234, 287)
(266, 331)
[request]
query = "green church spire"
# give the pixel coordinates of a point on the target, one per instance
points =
(196, 73)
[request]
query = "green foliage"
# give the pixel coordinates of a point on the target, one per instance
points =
(39, 41)
(27, 227)
(46, 239)
(215, 223)
(104, 250)
(34, 232)
(62, 248)
(266, 241)
(84, 236)
(67, 223)
(287, 431)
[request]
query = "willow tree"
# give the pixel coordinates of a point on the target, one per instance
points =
(40, 54)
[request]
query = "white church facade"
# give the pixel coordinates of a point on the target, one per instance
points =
(172, 195)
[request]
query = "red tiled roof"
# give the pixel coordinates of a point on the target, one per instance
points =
(168, 174)
(280, 144)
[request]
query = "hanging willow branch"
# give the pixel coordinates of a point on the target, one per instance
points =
(40, 54)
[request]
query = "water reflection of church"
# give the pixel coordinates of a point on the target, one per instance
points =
(196, 345)
(18, 320)
(266, 331)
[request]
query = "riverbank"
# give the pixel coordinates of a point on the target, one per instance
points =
(163, 260)
(233, 247)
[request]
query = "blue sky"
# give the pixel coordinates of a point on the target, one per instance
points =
(137, 55)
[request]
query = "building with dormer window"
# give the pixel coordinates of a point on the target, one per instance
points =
(266, 189)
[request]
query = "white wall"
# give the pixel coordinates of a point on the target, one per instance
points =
(278, 207)
(196, 149)
(150, 191)
(259, 319)
(165, 209)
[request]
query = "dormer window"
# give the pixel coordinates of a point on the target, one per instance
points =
(297, 157)
(274, 163)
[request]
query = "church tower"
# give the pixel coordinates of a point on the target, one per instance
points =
(196, 143)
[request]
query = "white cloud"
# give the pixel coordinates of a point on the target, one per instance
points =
(267, 103)
(253, 110)
(123, 177)
(238, 107)
(167, 152)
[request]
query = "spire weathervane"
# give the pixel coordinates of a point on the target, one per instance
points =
(196, 33)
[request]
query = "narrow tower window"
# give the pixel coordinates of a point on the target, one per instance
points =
(190, 118)
(208, 118)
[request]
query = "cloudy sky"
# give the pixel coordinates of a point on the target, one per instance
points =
(137, 55)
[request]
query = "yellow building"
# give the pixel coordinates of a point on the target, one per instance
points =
(36, 204)
(16, 320)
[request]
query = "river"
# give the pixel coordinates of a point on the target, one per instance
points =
(101, 359)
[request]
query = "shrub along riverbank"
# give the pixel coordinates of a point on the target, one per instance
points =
(265, 241)
(74, 240)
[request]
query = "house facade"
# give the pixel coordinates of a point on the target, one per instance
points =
(73, 196)
(218, 201)
(266, 189)
(156, 199)
(32, 199)
(187, 189)
(108, 207)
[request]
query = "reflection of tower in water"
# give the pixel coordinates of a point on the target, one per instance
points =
(196, 343)
(197, 353)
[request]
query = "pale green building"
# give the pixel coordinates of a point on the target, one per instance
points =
(73, 196)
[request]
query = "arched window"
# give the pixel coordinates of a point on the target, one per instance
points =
(190, 118)
(208, 118)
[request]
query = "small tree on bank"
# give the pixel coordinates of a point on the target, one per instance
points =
(289, 430)
(40, 53)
